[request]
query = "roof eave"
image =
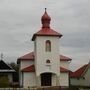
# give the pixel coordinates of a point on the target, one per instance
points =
(65, 59)
(34, 36)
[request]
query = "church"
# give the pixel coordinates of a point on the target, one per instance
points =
(45, 66)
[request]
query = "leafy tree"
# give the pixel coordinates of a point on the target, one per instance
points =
(16, 74)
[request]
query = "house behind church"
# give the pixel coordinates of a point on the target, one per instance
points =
(6, 73)
(81, 77)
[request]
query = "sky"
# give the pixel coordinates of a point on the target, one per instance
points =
(20, 19)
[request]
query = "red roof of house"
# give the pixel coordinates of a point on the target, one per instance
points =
(30, 56)
(31, 68)
(65, 58)
(80, 72)
(63, 69)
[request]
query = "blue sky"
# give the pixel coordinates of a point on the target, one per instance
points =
(20, 19)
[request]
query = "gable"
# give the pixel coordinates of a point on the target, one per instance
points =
(80, 72)
(5, 68)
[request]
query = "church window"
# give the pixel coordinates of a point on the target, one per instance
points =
(48, 46)
(47, 61)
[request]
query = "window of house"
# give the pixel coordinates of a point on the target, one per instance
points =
(48, 46)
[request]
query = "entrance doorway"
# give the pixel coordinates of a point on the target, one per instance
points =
(46, 79)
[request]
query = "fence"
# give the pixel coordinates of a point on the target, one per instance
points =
(18, 88)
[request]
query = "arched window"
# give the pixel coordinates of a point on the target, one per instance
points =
(48, 61)
(48, 46)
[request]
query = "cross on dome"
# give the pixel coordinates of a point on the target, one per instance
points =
(45, 19)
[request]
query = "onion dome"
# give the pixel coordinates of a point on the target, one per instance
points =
(45, 19)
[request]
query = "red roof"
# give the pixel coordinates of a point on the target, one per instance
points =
(64, 58)
(29, 69)
(78, 73)
(46, 32)
(32, 69)
(30, 56)
(63, 69)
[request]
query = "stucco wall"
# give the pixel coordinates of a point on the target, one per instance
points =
(76, 81)
(20, 79)
(64, 80)
(25, 64)
(54, 78)
(29, 79)
(41, 55)
(64, 64)
(82, 81)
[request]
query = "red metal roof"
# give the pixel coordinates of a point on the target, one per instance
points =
(78, 73)
(30, 56)
(29, 69)
(32, 69)
(63, 69)
(64, 58)
(46, 32)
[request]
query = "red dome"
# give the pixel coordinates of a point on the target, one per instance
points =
(45, 19)
(45, 16)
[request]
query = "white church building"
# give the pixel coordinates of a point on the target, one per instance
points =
(45, 66)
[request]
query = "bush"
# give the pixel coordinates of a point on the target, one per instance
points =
(4, 81)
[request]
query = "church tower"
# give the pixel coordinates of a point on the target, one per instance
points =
(46, 53)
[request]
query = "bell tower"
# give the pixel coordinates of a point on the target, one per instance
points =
(46, 52)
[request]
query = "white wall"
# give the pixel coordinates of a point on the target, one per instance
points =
(25, 63)
(76, 81)
(54, 78)
(29, 79)
(41, 55)
(22, 65)
(20, 79)
(82, 81)
(64, 79)
(65, 64)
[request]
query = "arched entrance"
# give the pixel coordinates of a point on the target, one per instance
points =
(46, 79)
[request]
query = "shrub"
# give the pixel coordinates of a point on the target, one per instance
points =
(4, 81)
